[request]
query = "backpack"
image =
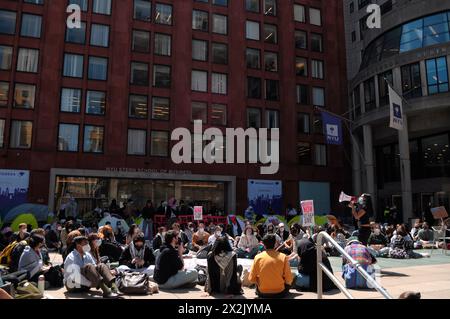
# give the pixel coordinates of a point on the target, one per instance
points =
(55, 277)
(5, 255)
(15, 255)
(133, 283)
(202, 274)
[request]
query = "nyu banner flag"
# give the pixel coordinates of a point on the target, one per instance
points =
(396, 110)
(332, 126)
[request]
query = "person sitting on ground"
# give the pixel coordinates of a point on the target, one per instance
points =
(109, 247)
(248, 246)
(81, 272)
(182, 237)
(31, 259)
(297, 233)
(137, 256)
(306, 278)
(95, 242)
(402, 245)
(189, 231)
(69, 242)
(425, 236)
(271, 271)
(270, 229)
(158, 241)
(169, 268)
(377, 240)
(223, 270)
(217, 233)
(22, 234)
(282, 232)
(51, 238)
(68, 227)
(6, 237)
(132, 233)
(361, 254)
(200, 238)
(415, 230)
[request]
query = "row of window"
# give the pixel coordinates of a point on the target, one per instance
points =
(21, 134)
(421, 33)
(437, 79)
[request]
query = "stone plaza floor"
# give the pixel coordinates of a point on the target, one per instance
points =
(429, 276)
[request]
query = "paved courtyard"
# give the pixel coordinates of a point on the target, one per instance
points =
(430, 276)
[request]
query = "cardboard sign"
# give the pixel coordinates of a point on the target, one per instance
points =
(198, 212)
(439, 212)
(308, 213)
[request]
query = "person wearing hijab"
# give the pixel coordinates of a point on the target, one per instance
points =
(223, 269)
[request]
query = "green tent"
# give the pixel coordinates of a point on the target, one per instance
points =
(28, 219)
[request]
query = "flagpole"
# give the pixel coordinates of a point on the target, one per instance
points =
(321, 109)
(393, 89)
(346, 125)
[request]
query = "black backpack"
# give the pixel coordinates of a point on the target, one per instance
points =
(55, 277)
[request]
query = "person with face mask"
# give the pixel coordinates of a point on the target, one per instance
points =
(362, 211)
(248, 246)
(31, 258)
(377, 240)
(159, 238)
(218, 232)
(81, 272)
(137, 256)
(200, 238)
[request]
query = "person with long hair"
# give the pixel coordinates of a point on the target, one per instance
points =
(132, 233)
(223, 269)
(248, 246)
(95, 242)
(109, 247)
(362, 211)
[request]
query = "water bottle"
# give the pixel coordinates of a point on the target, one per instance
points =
(41, 284)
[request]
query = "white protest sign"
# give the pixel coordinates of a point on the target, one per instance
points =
(198, 212)
(308, 213)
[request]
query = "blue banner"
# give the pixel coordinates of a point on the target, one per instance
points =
(13, 189)
(265, 196)
(332, 127)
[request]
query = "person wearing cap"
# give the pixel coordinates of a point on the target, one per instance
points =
(22, 234)
(81, 272)
(137, 256)
(248, 246)
(361, 254)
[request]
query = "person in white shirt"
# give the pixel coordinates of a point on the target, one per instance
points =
(81, 272)
(248, 246)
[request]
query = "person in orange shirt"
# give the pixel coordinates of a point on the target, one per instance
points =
(271, 271)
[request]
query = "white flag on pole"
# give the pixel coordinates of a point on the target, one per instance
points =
(396, 109)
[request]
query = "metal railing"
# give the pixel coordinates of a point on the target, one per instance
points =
(371, 282)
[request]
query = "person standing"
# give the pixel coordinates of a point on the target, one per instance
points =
(148, 214)
(362, 212)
